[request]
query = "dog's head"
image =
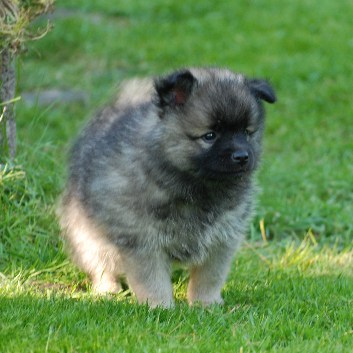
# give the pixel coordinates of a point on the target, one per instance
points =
(212, 121)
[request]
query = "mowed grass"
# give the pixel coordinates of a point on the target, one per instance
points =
(291, 286)
(276, 307)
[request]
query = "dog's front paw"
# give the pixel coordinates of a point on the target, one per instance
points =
(206, 300)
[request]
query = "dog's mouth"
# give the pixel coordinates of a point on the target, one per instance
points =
(230, 169)
(227, 173)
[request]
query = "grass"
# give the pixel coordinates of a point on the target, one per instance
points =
(275, 303)
(291, 286)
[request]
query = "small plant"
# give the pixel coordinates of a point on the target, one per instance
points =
(15, 30)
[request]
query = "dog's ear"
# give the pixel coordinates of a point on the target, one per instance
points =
(262, 90)
(175, 89)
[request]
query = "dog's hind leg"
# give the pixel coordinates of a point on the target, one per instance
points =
(90, 249)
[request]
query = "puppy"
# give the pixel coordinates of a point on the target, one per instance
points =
(163, 175)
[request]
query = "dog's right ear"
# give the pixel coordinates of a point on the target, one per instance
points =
(175, 89)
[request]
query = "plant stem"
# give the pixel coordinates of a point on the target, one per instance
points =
(7, 93)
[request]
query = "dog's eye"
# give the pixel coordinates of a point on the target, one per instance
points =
(209, 137)
(250, 130)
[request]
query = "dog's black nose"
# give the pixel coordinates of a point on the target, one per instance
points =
(240, 157)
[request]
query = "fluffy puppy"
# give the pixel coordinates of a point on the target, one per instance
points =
(164, 175)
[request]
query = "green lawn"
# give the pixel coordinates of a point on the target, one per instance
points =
(290, 293)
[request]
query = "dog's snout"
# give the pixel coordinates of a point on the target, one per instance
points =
(240, 157)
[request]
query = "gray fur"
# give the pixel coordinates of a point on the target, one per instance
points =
(145, 188)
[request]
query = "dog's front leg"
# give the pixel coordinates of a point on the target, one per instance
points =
(208, 278)
(148, 276)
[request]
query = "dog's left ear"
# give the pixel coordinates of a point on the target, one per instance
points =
(262, 90)
(175, 89)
